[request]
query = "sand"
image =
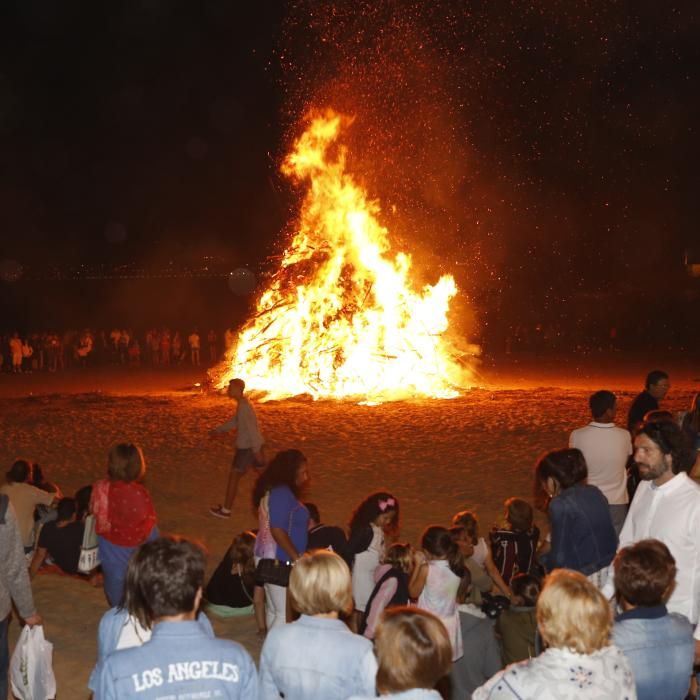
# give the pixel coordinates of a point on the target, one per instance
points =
(436, 456)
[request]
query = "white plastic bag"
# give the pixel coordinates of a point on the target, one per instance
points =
(31, 669)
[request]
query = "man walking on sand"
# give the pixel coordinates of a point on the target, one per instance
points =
(249, 442)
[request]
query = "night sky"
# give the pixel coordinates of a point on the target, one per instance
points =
(537, 151)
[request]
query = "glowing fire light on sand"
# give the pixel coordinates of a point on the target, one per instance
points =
(340, 318)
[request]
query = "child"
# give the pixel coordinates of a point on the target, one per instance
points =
(375, 515)
(230, 589)
(482, 654)
(482, 554)
(391, 588)
(436, 578)
(514, 546)
(480, 581)
(517, 626)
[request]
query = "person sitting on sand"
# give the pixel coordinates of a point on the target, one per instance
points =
(230, 590)
(60, 539)
(182, 658)
(326, 536)
(514, 546)
(25, 498)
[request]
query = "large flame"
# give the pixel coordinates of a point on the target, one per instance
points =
(340, 318)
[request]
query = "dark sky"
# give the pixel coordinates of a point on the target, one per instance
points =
(534, 149)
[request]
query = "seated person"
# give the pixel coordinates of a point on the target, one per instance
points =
(41, 482)
(82, 500)
(515, 545)
(574, 622)
(181, 659)
(231, 587)
(517, 626)
(60, 539)
(658, 644)
(482, 655)
(326, 536)
(414, 654)
(24, 498)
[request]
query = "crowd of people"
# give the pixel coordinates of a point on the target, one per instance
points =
(53, 351)
(604, 605)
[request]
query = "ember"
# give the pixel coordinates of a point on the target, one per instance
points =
(340, 318)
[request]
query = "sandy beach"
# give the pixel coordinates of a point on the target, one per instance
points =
(435, 456)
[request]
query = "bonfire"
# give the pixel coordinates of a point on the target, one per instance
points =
(341, 317)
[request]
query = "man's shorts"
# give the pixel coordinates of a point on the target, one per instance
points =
(243, 460)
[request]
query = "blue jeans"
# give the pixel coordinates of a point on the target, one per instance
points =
(4, 657)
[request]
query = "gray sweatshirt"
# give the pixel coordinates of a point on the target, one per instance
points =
(14, 575)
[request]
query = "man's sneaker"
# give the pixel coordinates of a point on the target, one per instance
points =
(220, 512)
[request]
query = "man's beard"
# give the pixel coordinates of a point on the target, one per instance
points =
(651, 472)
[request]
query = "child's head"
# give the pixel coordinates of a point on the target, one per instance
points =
(526, 589)
(242, 551)
(645, 573)
(400, 556)
(413, 650)
(380, 509)
(463, 540)
(519, 514)
(468, 520)
(437, 542)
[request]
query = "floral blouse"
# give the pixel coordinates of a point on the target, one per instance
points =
(561, 674)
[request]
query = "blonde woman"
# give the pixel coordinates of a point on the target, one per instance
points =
(317, 657)
(414, 654)
(574, 620)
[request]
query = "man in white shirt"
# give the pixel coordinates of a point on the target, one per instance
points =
(666, 507)
(249, 442)
(606, 449)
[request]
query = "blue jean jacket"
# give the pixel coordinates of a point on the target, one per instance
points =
(583, 535)
(316, 658)
(660, 647)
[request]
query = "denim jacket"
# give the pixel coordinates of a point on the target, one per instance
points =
(583, 536)
(659, 646)
(316, 658)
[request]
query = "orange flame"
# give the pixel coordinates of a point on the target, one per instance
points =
(340, 319)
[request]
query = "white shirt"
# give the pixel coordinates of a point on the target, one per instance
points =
(606, 449)
(669, 513)
(248, 434)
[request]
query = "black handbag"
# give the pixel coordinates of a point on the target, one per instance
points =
(273, 571)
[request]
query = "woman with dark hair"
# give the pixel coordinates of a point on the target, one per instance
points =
(124, 515)
(376, 515)
(582, 533)
(283, 527)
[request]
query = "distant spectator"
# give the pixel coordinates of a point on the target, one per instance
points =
(194, 343)
(656, 387)
(606, 449)
(517, 626)
(325, 536)
(317, 657)
(213, 349)
(659, 645)
(60, 539)
(25, 498)
(15, 344)
(514, 546)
